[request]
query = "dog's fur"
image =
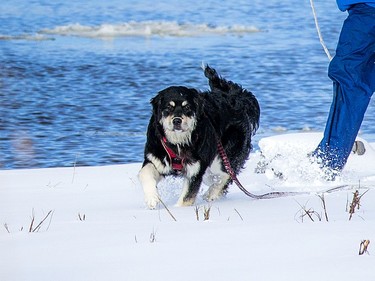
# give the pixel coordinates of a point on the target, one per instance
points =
(191, 122)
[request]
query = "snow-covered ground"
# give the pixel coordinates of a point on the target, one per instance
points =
(100, 229)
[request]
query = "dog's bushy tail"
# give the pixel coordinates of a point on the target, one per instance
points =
(218, 83)
(243, 100)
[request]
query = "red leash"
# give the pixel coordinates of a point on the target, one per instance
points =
(230, 171)
(233, 176)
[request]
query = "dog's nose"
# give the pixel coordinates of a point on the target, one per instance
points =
(177, 121)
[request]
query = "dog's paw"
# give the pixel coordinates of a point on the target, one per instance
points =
(213, 193)
(152, 201)
(185, 202)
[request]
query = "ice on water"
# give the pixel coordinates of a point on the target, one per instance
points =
(147, 28)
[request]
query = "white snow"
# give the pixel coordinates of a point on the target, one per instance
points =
(100, 229)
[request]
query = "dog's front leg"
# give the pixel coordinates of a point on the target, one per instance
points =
(192, 183)
(149, 178)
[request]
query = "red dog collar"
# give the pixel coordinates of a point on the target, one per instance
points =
(176, 161)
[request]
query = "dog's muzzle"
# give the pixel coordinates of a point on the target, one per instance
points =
(177, 121)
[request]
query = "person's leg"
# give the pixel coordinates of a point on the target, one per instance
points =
(352, 71)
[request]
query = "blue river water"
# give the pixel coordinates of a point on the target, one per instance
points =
(76, 77)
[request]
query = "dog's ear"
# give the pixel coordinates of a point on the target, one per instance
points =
(156, 102)
(198, 102)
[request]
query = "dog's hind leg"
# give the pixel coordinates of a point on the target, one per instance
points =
(149, 178)
(218, 181)
(188, 195)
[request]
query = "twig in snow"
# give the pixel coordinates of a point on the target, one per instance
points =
(207, 211)
(32, 221)
(324, 205)
(169, 212)
(363, 247)
(309, 213)
(81, 217)
(50, 220)
(356, 202)
(153, 236)
(74, 167)
(197, 212)
(6, 227)
(238, 214)
(37, 228)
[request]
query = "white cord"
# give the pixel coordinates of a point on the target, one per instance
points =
(319, 33)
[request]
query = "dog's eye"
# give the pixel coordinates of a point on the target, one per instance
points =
(168, 109)
(187, 108)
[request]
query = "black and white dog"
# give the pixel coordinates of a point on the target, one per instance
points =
(183, 133)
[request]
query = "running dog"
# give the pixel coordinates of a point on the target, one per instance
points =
(183, 135)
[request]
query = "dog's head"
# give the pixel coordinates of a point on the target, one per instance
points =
(177, 110)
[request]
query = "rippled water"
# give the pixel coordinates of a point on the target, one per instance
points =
(76, 78)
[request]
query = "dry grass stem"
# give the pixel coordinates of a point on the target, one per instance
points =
(74, 167)
(363, 247)
(6, 227)
(207, 211)
(153, 236)
(37, 228)
(238, 214)
(197, 212)
(310, 213)
(169, 212)
(81, 217)
(324, 206)
(356, 202)
(32, 222)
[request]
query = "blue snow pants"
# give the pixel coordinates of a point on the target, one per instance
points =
(352, 71)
